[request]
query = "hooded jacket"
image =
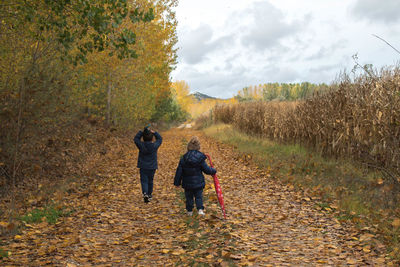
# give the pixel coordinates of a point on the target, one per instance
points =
(147, 151)
(190, 170)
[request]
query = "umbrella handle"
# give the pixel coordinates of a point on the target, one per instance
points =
(209, 159)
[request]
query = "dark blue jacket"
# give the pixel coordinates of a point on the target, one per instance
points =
(190, 170)
(147, 151)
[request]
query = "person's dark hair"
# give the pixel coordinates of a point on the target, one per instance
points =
(147, 135)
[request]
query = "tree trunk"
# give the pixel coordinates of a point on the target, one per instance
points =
(109, 91)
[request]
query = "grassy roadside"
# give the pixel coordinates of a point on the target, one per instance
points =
(338, 184)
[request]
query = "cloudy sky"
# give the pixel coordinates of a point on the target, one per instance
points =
(225, 45)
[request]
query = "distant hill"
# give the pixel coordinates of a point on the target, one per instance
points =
(199, 96)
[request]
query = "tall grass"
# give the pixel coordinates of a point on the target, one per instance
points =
(357, 119)
(353, 190)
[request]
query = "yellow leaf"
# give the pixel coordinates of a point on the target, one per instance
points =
(351, 261)
(3, 224)
(380, 115)
(52, 248)
(178, 252)
(381, 260)
(17, 237)
(252, 258)
(380, 181)
(225, 253)
(366, 250)
(41, 252)
(396, 223)
(165, 251)
(35, 44)
(235, 257)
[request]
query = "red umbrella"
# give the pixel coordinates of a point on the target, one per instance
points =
(218, 189)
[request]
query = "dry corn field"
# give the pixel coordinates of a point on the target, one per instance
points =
(358, 119)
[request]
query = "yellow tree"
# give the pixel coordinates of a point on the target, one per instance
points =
(128, 91)
(181, 91)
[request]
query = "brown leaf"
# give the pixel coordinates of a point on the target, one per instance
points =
(396, 223)
(236, 257)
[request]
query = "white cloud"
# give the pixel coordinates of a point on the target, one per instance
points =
(325, 52)
(194, 44)
(240, 43)
(268, 27)
(278, 74)
(197, 43)
(218, 83)
(377, 10)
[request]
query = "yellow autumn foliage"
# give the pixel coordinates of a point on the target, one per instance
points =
(181, 91)
(199, 108)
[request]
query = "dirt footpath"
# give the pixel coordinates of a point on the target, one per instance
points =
(268, 224)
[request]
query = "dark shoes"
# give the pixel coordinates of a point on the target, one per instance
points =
(147, 198)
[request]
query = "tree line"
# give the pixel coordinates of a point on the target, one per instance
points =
(280, 91)
(61, 61)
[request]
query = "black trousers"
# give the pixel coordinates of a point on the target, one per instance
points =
(193, 195)
(146, 180)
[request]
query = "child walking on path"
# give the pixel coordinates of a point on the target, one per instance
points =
(147, 160)
(189, 174)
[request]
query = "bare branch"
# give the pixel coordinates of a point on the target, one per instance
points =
(386, 43)
(5, 173)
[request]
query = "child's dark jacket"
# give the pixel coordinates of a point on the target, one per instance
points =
(190, 170)
(147, 151)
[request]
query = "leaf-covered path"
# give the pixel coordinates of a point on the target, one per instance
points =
(269, 224)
